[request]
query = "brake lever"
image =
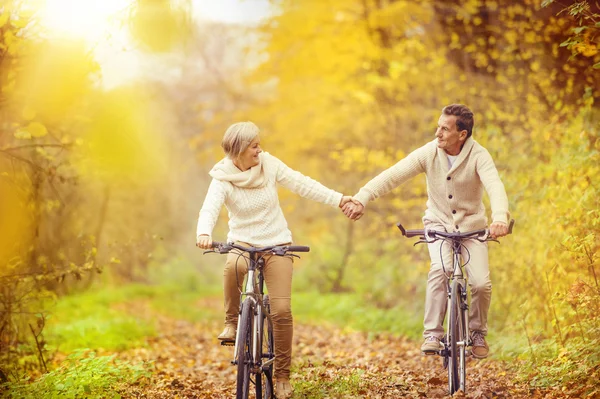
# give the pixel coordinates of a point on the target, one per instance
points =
(421, 241)
(209, 251)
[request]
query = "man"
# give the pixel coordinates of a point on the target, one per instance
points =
(457, 170)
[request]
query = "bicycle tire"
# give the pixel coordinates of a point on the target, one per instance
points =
(462, 329)
(453, 338)
(264, 383)
(244, 350)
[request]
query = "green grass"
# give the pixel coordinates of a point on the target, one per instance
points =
(351, 311)
(82, 375)
(100, 319)
(312, 384)
(91, 320)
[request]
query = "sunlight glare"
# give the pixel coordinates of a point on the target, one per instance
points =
(85, 19)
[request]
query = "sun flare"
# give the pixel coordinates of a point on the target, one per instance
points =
(86, 19)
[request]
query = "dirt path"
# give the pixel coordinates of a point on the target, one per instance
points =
(328, 363)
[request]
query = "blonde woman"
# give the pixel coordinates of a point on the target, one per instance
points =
(245, 181)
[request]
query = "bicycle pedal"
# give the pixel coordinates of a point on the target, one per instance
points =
(228, 343)
(430, 353)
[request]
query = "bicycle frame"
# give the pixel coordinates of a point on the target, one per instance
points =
(455, 346)
(252, 344)
(256, 296)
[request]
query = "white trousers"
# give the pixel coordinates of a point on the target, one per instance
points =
(478, 275)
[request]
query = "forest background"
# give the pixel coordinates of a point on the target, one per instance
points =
(100, 185)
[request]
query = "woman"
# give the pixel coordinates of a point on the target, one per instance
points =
(246, 182)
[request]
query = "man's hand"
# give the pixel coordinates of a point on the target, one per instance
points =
(498, 229)
(353, 209)
(204, 241)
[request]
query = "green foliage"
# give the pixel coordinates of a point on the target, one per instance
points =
(105, 318)
(99, 320)
(81, 375)
(314, 385)
(352, 311)
(574, 367)
(584, 39)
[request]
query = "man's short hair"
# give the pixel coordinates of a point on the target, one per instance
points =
(464, 117)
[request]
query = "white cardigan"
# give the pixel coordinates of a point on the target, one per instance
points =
(255, 216)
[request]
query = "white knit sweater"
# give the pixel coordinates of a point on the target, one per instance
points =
(454, 194)
(251, 199)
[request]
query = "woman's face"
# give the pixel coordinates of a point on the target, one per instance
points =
(249, 157)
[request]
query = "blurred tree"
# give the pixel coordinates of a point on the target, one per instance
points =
(355, 86)
(82, 178)
(160, 25)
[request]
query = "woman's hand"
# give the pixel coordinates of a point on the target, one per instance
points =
(345, 200)
(352, 208)
(204, 241)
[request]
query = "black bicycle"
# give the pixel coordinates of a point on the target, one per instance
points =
(254, 346)
(457, 339)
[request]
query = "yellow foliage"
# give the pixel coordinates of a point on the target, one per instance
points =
(358, 85)
(15, 218)
(36, 129)
(52, 79)
(123, 139)
(160, 25)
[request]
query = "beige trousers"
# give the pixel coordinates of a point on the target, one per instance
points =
(478, 275)
(278, 278)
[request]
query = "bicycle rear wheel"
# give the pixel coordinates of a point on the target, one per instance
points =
(244, 350)
(264, 379)
(454, 339)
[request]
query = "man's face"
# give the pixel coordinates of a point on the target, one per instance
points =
(448, 137)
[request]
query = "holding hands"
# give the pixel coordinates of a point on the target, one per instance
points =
(352, 208)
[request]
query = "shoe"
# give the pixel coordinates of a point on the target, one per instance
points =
(228, 333)
(431, 345)
(283, 389)
(480, 348)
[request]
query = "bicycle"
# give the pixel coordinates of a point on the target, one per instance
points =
(254, 352)
(457, 339)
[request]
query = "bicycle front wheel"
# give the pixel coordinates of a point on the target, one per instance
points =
(456, 339)
(464, 338)
(264, 379)
(244, 350)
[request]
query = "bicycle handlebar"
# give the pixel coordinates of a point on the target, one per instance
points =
(481, 234)
(280, 250)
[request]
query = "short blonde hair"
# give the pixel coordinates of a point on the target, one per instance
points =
(238, 138)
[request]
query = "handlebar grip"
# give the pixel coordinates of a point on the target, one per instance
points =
(410, 233)
(401, 228)
(216, 244)
(414, 233)
(510, 226)
(298, 248)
